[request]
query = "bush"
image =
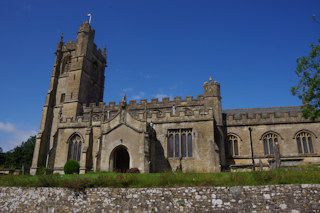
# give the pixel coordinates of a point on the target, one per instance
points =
(133, 170)
(44, 171)
(71, 167)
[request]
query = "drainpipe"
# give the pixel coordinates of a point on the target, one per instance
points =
(253, 165)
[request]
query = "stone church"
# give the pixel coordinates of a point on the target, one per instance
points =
(189, 135)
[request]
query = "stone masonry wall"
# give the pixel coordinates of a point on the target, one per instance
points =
(273, 198)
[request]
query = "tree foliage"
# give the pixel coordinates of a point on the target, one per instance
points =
(20, 155)
(1, 157)
(71, 167)
(308, 88)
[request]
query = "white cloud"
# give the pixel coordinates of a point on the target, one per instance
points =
(138, 96)
(7, 127)
(160, 96)
(11, 136)
(127, 90)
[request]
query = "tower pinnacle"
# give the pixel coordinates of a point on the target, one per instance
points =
(61, 37)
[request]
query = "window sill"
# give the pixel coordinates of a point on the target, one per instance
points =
(178, 158)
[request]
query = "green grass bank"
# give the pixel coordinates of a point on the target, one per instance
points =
(107, 179)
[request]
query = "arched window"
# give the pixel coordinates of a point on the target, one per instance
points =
(66, 65)
(269, 141)
(75, 144)
(232, 148)
(304, 142)
(180, 143)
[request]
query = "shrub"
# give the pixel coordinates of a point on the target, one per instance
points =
(44, 171)
(71, 167)
(133, 170)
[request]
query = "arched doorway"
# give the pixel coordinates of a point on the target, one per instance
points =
(120, 158)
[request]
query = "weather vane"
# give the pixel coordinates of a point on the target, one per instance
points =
(90, 15)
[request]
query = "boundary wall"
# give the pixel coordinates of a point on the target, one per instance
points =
(272, 198)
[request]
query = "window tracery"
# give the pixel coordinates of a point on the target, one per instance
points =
(232, 145)
(269, 141)
(304, 142)
(180, 143)
(75, 144)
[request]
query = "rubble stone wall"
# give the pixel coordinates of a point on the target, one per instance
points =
(273, 198)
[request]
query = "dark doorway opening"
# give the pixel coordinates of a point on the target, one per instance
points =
(121, 160)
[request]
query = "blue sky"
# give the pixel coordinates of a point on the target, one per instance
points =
(155, 48)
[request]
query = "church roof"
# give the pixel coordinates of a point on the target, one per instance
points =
(262, 110)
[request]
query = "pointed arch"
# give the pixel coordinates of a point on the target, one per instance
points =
(119, 159)
(270, 141)
(232, 145)
(75, 143)
(304, 130)
(305, 140)
(232, 133)
(271, 132)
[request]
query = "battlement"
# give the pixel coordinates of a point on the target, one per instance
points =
(270, 115)
(188, 108)
(165, 102)
(98, 53)
(70, 45)
(78, 120)
(154, 103)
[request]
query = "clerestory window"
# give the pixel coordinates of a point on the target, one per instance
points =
(304, 142)
(180, 143)
(75, 144)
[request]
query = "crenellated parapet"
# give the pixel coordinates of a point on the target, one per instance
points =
(98, 53)
(70, 45)
(165, 110)
(264, 116)
(155, 103)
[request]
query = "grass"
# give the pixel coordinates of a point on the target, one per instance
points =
(108, 179)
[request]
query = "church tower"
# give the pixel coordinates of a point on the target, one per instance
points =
(77, 79)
